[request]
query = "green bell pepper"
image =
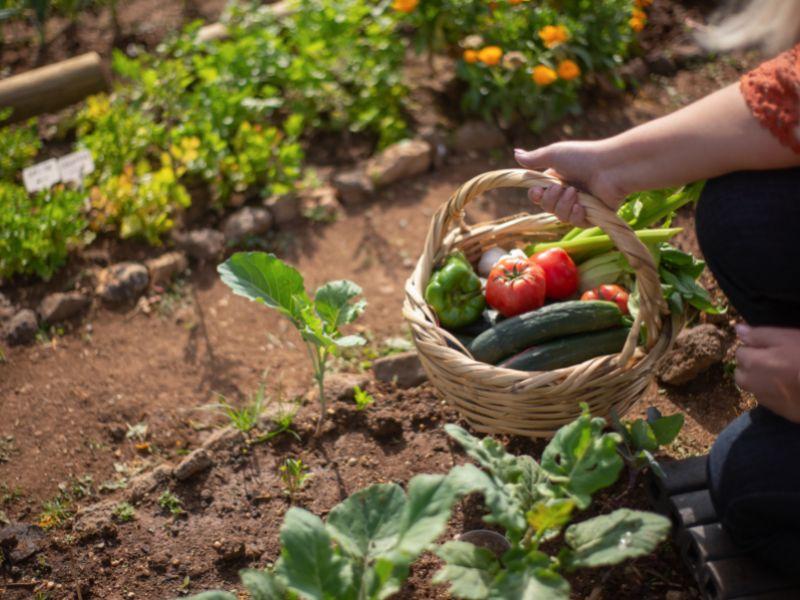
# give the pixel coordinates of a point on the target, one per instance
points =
(454, 292)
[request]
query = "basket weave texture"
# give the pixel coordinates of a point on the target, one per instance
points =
(534, 404)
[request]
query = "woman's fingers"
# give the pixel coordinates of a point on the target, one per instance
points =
(562, 202)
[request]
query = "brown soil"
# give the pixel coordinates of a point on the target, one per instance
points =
(68, 400)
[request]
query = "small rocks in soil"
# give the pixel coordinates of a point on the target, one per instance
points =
(164, 268)
(696, 350)
(246, 222)
(196, 462)
(477, 136)
(19, 542)
(58, 307)
(123, 282)
(21, 328)
(353, 187)
(403, 369)
(399, 161)
(284, 209)
(201, 244)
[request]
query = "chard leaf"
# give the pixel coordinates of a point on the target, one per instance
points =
(643, 436)
(666, 429)
(262, 585)
(265, 278)
(610, 539)
(488, 453)
(469, 570)
(430, 500)
(333, 303)
(581, 459)
(367, 524)
(529, 578)
(308, 563)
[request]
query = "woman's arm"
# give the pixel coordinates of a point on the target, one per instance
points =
(713, 136)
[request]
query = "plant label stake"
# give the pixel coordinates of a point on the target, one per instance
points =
(41, 176)
(75, 166)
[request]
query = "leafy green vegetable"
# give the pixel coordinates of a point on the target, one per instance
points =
(642, 437)
(266, 279)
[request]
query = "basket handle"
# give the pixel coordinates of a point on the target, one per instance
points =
(651, 305)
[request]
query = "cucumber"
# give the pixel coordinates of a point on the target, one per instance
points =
(547, 323)
(568, 351)
(488, 319)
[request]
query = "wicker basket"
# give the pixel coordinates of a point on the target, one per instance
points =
(535, 404)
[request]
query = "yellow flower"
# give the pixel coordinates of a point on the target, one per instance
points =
(470, 56)
(638, 13)
(568, 69)
(490, 55)
(405, 6)
(636, 24)
(643, 3)
(553, 35)
(543, 75)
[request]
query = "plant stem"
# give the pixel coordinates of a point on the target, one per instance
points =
(318, 359)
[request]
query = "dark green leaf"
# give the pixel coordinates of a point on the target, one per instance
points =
(529, 578)
(581, 459)
(610, 539)
(308, 563)
(430, 500)
(666, 429)
(643, 436)
(332, 302)
(469, 569)
(267, 279)
(262, 585)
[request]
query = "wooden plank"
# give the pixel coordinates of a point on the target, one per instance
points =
(53, 87)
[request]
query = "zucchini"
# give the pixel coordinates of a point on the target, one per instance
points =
(568, 351)
(547, 323)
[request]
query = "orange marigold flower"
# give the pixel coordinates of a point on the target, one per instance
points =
(405, 6)
(543, 75)
(470, 56)
(490, 55)
(638, 13)
(636, 24)
(553, 35)
(568, 69)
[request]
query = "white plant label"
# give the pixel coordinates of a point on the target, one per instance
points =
(41, 176)
(74, 167)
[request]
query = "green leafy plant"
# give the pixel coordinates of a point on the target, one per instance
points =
(266, 279)
(536, 502)
(248, 417)
(55, 512)
(171, 503)
(370, 540)
(363, 399)
(641, 438)
(294, 474)
(38, 230)
(19, 145)
(124, 512)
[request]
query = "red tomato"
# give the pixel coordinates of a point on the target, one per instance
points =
(515, 286)
(612, 293)
(560, 273)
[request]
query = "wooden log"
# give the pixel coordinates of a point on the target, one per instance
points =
(53, 87)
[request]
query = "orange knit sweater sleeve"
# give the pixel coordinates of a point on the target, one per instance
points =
(772, 91)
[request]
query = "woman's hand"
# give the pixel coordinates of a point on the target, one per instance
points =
(580, 165)
(768, 365)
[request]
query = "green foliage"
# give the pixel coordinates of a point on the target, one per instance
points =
(596, 37)
(171, 503)
(294, 474)
(363, 399)
(248, 417)
(124, 512)
(19, 145)
(641, 438)
(266, 279)
(38, 230)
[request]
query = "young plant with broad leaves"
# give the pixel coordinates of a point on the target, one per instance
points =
(536, 502)
(641, 438)
(369, 541)
(266, 279)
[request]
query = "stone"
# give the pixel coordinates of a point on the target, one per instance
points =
(284, 209)
(122, 282)
(696, 350)
(21, 328)
(141, 485)
(353, 187)
(19, 542)
(222, 439)
(399, 161)
(229, 550)
(201, 244)
(58, 307)
(405, 369)
(95, 520)
(163, 268)
(320, 204)
(478, 136)
(247, 222)
(195, 462)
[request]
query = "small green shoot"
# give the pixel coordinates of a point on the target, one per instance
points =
(170, 502)
(642, 438)
(55, 512)
(124, 512)
(363, 399)
(246, 418)
(294, 474)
